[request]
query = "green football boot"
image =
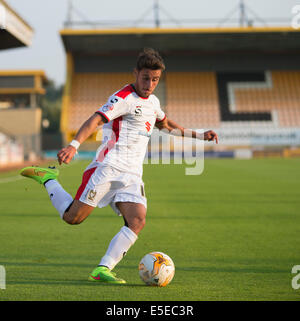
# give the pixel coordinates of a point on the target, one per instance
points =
(104, 275)
(40, 174)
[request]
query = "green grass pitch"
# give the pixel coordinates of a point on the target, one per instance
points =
(232, 232)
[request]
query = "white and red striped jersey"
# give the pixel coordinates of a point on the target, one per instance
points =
(130, 122)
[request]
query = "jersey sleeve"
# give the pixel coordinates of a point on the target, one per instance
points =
(114, 108)
(160, 115)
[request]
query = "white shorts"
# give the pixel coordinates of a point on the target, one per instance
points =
(103, 185)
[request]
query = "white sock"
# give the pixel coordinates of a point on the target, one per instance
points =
(60, 199)
(118, 247)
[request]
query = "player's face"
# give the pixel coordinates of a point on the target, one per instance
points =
(146, 81)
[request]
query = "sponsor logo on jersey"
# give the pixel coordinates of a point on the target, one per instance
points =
(114, 100)
(148, 126)
(138, 111)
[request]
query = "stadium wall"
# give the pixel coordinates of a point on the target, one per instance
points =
(11, 152)
(24, 124)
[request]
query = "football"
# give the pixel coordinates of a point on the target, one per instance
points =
(156, 269)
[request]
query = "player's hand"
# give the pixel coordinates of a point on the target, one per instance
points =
(210, 135)
(66, 154)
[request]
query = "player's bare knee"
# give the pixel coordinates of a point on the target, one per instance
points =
(72, 219)
(77, 213)
(142, 222)
(68, 219)
(137, 223)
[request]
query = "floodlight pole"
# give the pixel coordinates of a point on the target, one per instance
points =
(156, 13)
(242, 13)
(69, 14)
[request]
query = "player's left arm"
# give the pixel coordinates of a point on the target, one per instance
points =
(170, 127)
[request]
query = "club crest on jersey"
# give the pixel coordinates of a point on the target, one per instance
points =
(91, 194)
(107, 107)
(138, 111)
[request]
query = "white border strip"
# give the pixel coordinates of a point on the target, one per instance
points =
(232, 86)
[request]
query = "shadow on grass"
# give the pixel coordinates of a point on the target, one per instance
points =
(26, 214)
(80, 283)
(37, 264)
(232, 269)
(213, 269)
(85, 283)
(209, 269)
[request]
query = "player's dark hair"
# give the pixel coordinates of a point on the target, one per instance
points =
(150, 59)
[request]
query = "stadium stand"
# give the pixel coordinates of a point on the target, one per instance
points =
(242, 82)
(283, 96)
(19, 90)
(192, 97)
(87, 96)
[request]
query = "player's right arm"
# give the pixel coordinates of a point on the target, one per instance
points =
(115, 107)
(65, 155)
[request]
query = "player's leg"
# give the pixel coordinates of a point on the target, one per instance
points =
(60, 199)
(71, 211)
(77, 212)
(134, 215)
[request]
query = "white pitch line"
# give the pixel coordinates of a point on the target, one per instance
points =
(18, 177)
(10, 179)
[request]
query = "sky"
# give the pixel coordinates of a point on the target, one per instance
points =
(47, 19)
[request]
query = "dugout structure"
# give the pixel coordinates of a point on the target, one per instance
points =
(14, 30)
(242, 82)
(20, 115)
